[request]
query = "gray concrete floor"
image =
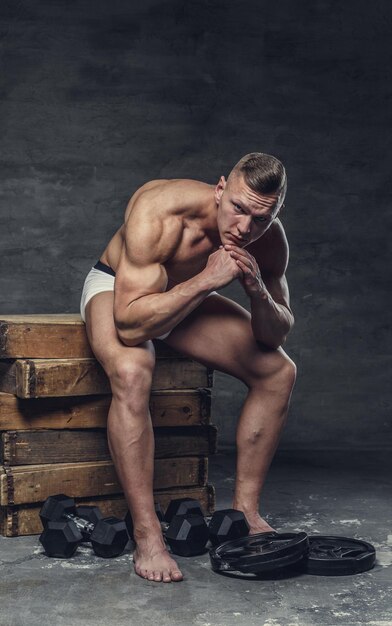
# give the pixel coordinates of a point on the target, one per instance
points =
(341, 493)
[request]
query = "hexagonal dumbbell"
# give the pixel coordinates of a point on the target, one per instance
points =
(182, 506)
(183, 526)
(223, 525)
(64, 529)
(227, 524)
(187, 535)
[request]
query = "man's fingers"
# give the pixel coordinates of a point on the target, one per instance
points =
(245, 268)
(244, 258)
(238, 250)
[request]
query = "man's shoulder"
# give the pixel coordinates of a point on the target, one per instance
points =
(271, 251)
(165, 197)
(172, 189)
(276, 235)
(155, 216)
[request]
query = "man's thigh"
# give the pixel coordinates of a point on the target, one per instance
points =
(219, 334)
(104, 341)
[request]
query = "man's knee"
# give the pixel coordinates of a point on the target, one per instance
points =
(132, 375)
(279, 369)
(288, 372)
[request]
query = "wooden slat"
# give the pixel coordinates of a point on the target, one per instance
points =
(32, 447)
(32, 378)
(182, 407)
(24, 520)
(51, 336)
(43, 336)
(34, 483)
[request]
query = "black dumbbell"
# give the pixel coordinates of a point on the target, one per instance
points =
(183, 507)
(185, 528)
(227, 524)
(65, 529)
(187, 532)
(183, 525)
(223, 525)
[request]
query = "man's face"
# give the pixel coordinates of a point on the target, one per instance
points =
(243, 215)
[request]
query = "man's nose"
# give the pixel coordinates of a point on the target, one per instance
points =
(244, 227)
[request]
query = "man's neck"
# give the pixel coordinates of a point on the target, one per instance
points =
(210, 224)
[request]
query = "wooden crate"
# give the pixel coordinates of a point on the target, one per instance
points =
(52, 336)
(31, 447)
(54, 401)
(25, 484)
(40, 378)
(182, 407)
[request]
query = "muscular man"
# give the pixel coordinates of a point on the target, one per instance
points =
(180, 241)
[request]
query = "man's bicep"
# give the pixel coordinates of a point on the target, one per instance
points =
(140, 271)
(135, 279)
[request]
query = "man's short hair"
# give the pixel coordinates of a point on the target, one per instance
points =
(263, 173)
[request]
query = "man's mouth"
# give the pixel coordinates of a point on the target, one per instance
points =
(237, 239)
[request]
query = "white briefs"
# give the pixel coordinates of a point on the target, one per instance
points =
(101, 278)
(96, 281)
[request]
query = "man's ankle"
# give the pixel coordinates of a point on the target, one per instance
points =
(252, 508)
(147, 531)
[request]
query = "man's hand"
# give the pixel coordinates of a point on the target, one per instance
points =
(221, 269)
(251, 278)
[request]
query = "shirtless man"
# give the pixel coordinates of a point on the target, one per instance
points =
(181, 240)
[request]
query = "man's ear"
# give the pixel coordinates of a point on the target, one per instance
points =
(219, 189)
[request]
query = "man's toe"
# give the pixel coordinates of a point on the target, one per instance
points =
(166, 576)
(176, 574)
(138, 570)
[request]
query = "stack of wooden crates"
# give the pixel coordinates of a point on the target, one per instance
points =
(54, 402)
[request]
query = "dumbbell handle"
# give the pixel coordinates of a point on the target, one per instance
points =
(82, 524)
(165, 525)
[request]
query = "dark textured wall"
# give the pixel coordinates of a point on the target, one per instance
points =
(99, 97)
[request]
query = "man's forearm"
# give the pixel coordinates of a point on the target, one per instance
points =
(155, 314)
(271, 322)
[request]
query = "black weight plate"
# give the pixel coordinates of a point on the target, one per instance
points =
(338, 556)
(259, 553)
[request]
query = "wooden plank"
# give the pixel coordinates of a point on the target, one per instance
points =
(181, 407)
(24, 520)
(171, 407)
(34, 483)
(52, 336)
(32, 378)
(43, 336)
(32, 447)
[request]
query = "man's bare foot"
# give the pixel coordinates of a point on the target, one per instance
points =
(259, 525)
(153, 562)
(256, 522)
